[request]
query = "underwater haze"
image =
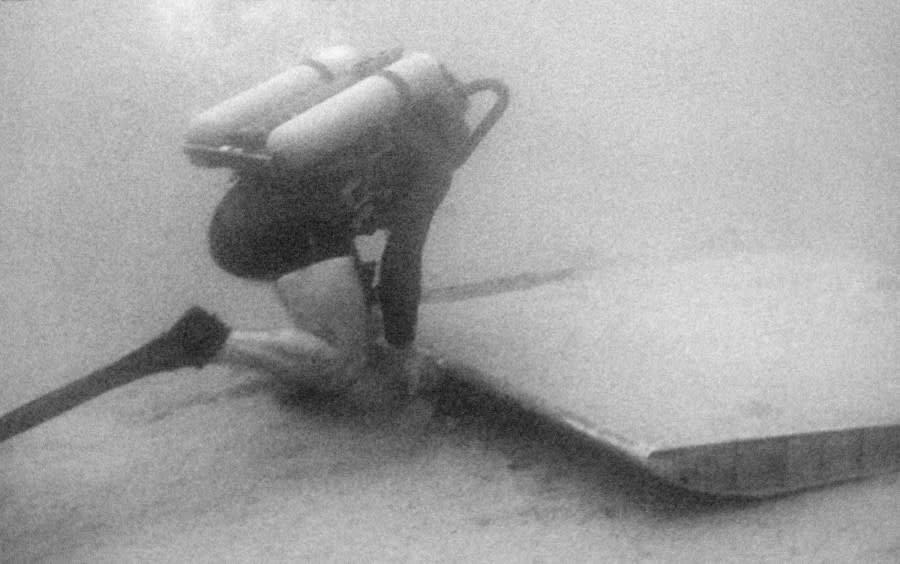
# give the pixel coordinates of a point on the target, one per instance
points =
(636, 131)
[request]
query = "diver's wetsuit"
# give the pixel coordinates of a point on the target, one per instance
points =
(273, 222)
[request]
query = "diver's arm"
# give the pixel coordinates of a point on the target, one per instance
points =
(401, 269)
(400, 288)
(430, 137)
(399, 293)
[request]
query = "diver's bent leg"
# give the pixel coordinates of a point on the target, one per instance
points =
(327, 348)
(327, 301)
(199, 339)
(289, 353)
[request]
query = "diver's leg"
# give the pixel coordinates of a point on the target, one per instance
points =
(326, 349)
(199, 338)
(326, 302)
(287, 352)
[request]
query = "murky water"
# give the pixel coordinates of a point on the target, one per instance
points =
(636, 130)
(645, 130)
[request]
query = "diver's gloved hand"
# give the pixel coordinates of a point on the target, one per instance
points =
(421, 370)
(418, 370)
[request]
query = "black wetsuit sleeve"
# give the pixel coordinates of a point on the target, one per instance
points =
(400, 288)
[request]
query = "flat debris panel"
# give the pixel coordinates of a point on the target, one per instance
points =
(744, 375)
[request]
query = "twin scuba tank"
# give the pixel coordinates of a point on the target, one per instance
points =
(323, 105)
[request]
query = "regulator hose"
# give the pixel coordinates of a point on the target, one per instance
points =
(501, 92)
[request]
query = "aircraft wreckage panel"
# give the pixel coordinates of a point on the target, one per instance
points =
(750, 375)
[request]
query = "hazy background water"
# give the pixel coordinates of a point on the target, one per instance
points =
(637, 129)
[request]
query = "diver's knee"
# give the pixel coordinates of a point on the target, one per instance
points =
(327, 299)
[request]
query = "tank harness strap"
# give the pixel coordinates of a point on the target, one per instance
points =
(377, 62)
(401, 86)
(360, 194)
(319, 67)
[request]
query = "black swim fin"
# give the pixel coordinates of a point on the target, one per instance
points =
(193, 341)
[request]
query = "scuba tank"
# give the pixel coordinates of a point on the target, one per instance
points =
(307, 113)
(343, 118)
(248, 117)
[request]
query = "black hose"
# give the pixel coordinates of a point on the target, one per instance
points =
(501, 91)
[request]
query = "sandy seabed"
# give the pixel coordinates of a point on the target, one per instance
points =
(232, 467)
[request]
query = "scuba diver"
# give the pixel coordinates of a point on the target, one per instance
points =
(341, 146)
(298, 230)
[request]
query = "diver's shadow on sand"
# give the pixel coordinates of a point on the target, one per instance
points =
(550, 457)
(553, 453)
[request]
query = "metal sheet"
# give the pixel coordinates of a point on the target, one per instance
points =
(750, 374)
